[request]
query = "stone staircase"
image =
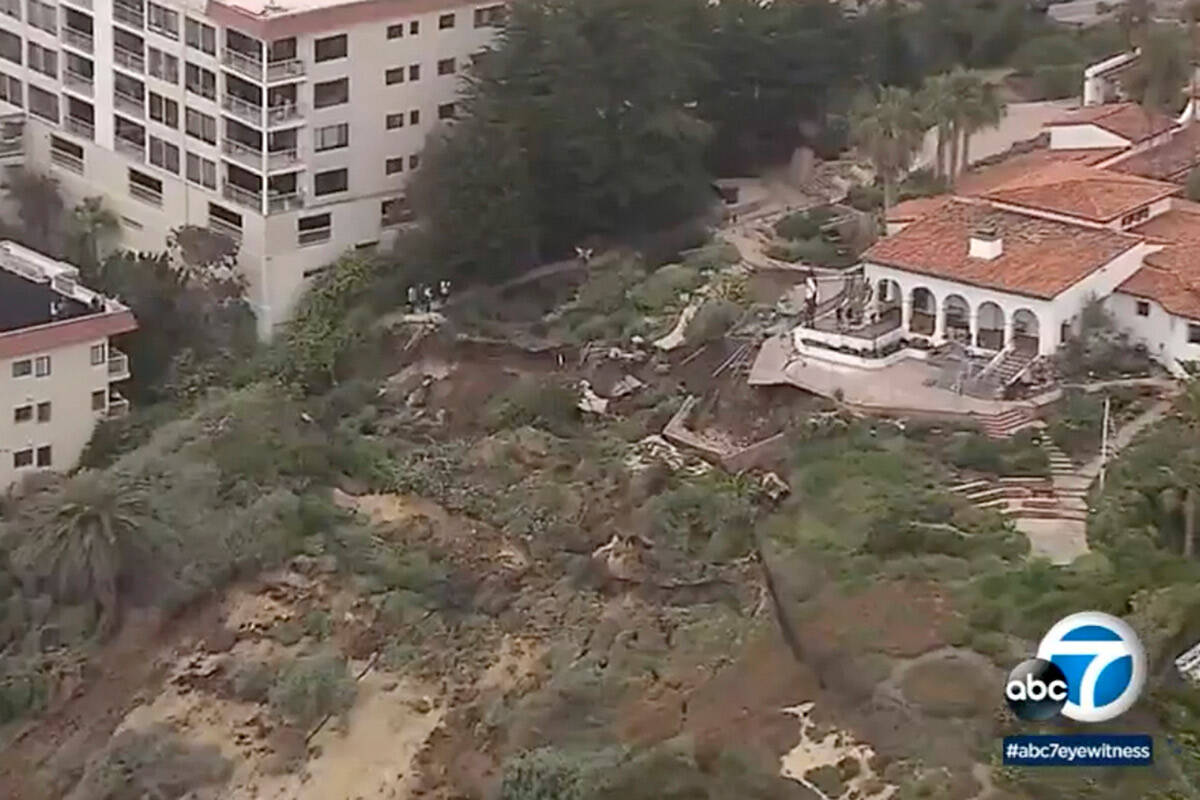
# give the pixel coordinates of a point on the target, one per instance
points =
(1018, 497)
(991, 382)
(1005, 423)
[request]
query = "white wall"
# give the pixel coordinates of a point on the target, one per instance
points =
(1083, 137)
(1164, 334)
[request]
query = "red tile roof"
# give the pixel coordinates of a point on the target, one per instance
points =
(1170, 277)
(1128, 120)
(1080, 191)
(1180, 225)
(978, 181)
(1041, 257)
(1170, 161)
(43, 338)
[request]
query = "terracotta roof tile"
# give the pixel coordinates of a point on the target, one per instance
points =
(1180, 225)
(41, 338)
(1128, 120)
(1170, 277)
(1081, 191)
(1170, 161)
(1041, 257)
(979, 181)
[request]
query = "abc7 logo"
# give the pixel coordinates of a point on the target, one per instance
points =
(1036, 690)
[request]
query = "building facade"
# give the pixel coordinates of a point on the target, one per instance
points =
(57, 366)
(290, 126)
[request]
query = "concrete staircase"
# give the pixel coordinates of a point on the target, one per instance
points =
(991, 382)
(1005, 423)
(1017, 497)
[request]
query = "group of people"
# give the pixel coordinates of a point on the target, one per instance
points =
(426, 298)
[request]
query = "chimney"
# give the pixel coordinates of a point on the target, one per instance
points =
(986, 243)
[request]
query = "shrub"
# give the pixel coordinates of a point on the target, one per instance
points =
(154, 762)
(312, 687)
(250, 681)
(554, 774)
(798, 225)
(664, 286)
(712, 320)
(546, 403)
(865, 198)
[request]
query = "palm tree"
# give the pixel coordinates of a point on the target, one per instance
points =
(889, 129)
(1162, 72)
(79, 539)
(93, 226)
(938, 104)
(981, 108)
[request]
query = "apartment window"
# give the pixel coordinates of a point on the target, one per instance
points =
(330, 48)
(201, 81)
(446, 111)
(164, 155)
(1143, 308)
(395, 31)
(445, 21)
(314, 230)
(414, 72)
(163, 66)
(43, 456)
(43, 16)
(144, 187)
(22, 368)
(1193, 333)
(394, 165)
(43, 411)
(41, 366)
(22, 414)
(395, 211)
(10, 47)
(162, 21)
(331, 137)
(414, 117)
(11, 7)
(164, 110)
(99, 400)
(393, 76)
(414, 161)
(10, 91)
(43, 104)
(394, 121)
(23, 458)
(446, 66)
(98, 354)
(490, 17)
(201, 171)
(43, 60)
(201, 37)
(414, 27)
(200, 126)
(331, 93)
(224, 219)
(331, 181)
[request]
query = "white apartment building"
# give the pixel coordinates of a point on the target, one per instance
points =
(291, 125)
(56, 365)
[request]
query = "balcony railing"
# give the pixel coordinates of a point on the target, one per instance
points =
(247, 65)
(282, 159)
(242, 196)
(243, 110)
(284, 202)
(243, 154)
(277, 115)
(78, 82)
(81, 3)
(118, 406)
(129, 15)
(67, 161)
(130, 147)
(77, 39)
(146, 196)
(134, 106)
(129, 59)
(118, 365)
(285, 70)
(80, 127)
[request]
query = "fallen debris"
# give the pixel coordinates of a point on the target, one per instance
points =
(626, 386)
(591, 402)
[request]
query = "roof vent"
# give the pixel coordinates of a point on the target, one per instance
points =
(986, 243)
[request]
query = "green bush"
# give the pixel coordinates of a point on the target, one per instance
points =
(1057, 81)
(542, 402)
(664, 286)
(712, 321)
(865, 198)
(554, 774)
(312, 687)
(798, 225)
(151, 763)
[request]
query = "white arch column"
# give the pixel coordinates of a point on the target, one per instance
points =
(973, 325)
(1008, 330)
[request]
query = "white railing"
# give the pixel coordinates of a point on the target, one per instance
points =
(130, 147)
(78, 81)
(118, 365)
(118, 406)
(81, 3)
(80, 127)
(243, 153)
(285, 202)
(282, 159)
(135, 106)
(77, 39)
(286, 69)
(240, 62)
(282, 113)
(242, 196)
(129, 59)
(243, 109)
(133, 17)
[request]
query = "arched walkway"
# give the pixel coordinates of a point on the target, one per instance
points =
(957, 319)
(991, 326)
(924, 312)
(1026, 331)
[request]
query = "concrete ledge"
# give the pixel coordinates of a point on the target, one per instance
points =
(731, 459)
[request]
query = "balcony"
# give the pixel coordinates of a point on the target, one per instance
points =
(245, 65)
(118, 406)
(284, 202)
(243, 154)
(12, 137)
(130, 147)
(129, 59)
(243, 110)
(78, 39)
(278, 115)
(118, 365)
(129, 104)
(287, 70)
(129, 15)
(78, 82)
(282, 159)
(243, 197)
(80, 127)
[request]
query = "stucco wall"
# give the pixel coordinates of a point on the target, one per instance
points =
(1164, 334)
(1083, 137)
